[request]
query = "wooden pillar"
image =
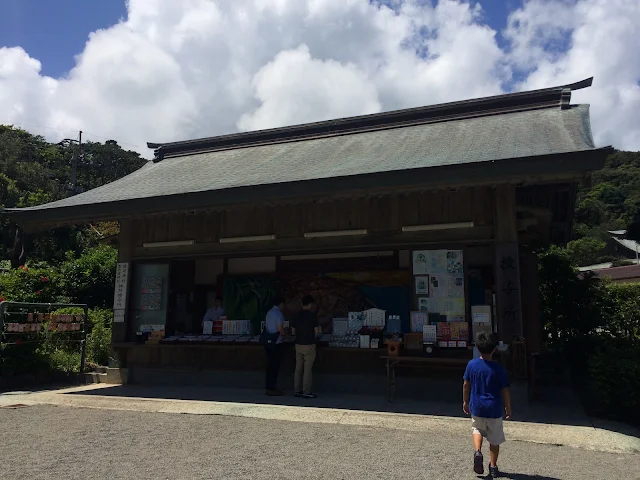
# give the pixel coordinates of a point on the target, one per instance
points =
(507, 265)
(531, 315)
(125, 252)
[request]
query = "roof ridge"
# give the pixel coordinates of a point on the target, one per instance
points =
(499, 104)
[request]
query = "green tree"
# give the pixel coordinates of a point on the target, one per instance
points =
(33, 171)
(585, 251)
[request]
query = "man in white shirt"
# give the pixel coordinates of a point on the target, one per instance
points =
(274, 324)
(213, 314)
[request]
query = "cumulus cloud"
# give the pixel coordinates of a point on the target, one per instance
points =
(177, 70)
(296, 88)
(601, 38)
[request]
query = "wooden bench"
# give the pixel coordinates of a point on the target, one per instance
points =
(416, 362)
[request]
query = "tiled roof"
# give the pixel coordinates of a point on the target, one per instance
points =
(482, 139)
(494, 131)
(620, 273)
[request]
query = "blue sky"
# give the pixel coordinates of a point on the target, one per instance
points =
(232, 65)
(30, 24)
(54, 31)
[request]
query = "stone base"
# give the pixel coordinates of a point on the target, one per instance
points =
(117, 376)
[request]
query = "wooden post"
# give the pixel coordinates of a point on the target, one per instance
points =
(120, 329)
(507, 265)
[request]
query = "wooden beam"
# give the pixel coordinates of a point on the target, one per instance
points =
(287, 246)
(507, 264)
(505, 213)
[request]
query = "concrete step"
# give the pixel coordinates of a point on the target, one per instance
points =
(94, 377)
(117, 376)
(101, 369)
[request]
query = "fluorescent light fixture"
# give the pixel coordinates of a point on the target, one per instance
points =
(437, 226)
(324, 256)
(256, 238)
(177, 243)
(338, 233)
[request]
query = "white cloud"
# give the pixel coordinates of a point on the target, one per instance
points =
(178, 70)
(602, 37)
(296, 88)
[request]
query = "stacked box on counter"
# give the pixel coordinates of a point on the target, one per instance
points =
(374, 317)
(342, 336)
(349, 341)
(236, 327)
(355, 321)
(340, 327)
(156, 333)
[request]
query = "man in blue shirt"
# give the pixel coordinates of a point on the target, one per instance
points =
(274, 324)
(486, 397)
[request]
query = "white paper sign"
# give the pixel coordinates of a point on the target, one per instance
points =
(121, 287)
(481, 317)
(429, 333)
(118, 316)
(207, 327)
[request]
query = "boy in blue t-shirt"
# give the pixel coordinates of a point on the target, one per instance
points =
(486, 397)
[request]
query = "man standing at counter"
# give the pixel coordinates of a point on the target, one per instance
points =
(305, 327)
(273, 334)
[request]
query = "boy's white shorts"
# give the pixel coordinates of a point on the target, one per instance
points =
(489, 428)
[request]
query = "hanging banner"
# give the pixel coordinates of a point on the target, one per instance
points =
(121, 287)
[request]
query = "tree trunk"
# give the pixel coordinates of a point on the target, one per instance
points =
(19, 255)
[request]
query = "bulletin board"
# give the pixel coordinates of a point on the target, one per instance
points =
(439, 287)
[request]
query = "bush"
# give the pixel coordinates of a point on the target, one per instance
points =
(99, 338)
(613, 388)
(573, 306)
(34, 283)
(90, 278)
(595, 326)
(623, 319)
(98, 330)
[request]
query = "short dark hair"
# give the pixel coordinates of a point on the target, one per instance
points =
(485, 342)
(278, 300)
(219, 297)
(307, 300)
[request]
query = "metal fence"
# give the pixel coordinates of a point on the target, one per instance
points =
(30, 323)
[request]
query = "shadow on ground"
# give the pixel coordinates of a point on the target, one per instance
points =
(518, 476)
(559, 413)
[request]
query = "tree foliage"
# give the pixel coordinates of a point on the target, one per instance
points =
(34, 171)
(610, 202)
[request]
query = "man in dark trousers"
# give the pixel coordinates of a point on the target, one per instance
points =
(305, 327)
(274, 333)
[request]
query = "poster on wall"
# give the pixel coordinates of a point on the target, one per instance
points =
(455, 285)
(454, 261)
(422, 285)
(429, 333)
(438, 285)
(459, 331)
(437, 261)
(420, 262)
(444, 331)
(424, 304)
(418, 321)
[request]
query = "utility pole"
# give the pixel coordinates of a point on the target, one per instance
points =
(74, 163)
(77, 154)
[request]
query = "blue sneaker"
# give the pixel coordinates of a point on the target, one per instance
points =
(493, 471)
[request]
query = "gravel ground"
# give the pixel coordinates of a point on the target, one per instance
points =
(53, 442)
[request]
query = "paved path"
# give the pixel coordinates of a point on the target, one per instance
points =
(57, 442)
(82, 433)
